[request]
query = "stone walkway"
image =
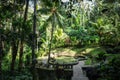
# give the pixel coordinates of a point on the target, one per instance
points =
(78, 73)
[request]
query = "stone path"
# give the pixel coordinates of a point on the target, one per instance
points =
(78, 73)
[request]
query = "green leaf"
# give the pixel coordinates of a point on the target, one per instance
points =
(47, 22)
(44, 10)
(60, 20)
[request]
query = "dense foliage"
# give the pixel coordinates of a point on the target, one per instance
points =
(28, 32)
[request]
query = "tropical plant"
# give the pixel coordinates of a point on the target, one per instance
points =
(54, 11)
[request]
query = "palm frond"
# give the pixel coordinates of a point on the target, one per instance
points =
(59, 15)
(44, 10)
(61, 10)
(51, 3)
(47, 22)
(60, 20)
(47, 3)
(74, 17)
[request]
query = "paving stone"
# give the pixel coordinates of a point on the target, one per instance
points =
(78, 73)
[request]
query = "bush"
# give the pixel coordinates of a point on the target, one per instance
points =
(24, 75)
(111, 70)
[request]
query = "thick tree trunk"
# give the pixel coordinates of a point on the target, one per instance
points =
(22, 38)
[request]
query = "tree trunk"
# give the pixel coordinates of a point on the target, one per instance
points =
(14, 54)
(1, 53)
(34, 43)
(20, 65)
(49, 53)
(34, 34)
(52, 30)
(14, 44)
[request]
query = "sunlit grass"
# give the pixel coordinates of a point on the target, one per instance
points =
(65, 60)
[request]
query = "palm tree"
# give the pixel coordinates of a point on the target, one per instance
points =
(54, 11)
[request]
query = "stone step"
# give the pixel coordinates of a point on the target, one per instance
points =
(78, 73)
(80, 78)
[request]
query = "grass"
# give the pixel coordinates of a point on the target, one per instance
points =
(73, 51)
(65, 60)
(79, 51)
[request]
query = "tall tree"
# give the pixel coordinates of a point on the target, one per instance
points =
(34, 42)
(34, 34)
(14, 44)
(22, 35)
(14, 34)
(6, 9)
(54, 11)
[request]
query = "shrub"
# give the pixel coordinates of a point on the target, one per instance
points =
(111, 70)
